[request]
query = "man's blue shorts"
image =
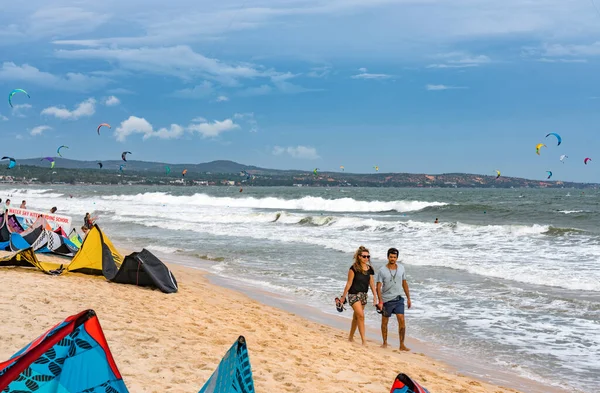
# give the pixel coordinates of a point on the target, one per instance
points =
(394, 306)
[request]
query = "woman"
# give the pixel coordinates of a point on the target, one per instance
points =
(89, 221)
(360, 278)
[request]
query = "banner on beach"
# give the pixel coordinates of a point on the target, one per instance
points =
(55, 220)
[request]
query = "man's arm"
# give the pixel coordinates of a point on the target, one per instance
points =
(407, 292)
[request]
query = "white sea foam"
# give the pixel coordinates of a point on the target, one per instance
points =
(307, 203)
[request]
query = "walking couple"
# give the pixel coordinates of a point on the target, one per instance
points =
(391, 284)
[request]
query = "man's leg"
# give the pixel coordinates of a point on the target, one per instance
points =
(402, 331)
(384, 330)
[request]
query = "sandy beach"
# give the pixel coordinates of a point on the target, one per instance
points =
(173, 343)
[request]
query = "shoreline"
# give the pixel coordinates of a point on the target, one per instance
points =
(173, 343)
(447, 360)
(341, 322)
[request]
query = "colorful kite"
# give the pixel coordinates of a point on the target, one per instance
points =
(12, 93)
(58, 150)
(12, 162)
(103, 124)
(538, 147)
(557, 137)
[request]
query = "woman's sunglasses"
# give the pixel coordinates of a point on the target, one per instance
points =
(366, 256)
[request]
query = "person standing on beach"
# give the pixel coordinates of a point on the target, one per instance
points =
(89, 221)
(360, 278)
(23, 205)
(391, 282)
(7, 205)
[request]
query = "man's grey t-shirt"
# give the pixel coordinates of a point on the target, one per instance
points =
(391, 282)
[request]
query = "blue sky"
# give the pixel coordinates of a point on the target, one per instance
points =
(423, 86)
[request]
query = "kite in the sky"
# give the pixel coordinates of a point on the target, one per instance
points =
(557, 137)
(51, 161)
(58, 150)
(12, 162)
(100, 164)
(184, 172)
(549, 174)
(315, 171)
(121, 167)
(585, 161)
(538, 147)
(15, 91)
(123, 155)
(376, 168)
(497, 174)
(342, 168)
(103, 124)
(562, 158)
(167, 169)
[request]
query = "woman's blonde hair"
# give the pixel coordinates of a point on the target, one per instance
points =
(357, 265)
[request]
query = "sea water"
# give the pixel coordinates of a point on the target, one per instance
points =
(508, 278)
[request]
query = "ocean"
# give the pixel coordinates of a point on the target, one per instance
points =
(509, 277)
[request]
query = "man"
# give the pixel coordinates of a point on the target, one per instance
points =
(391, 282)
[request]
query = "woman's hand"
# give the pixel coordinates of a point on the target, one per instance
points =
(375, 303)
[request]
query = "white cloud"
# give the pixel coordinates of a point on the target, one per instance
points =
(138, 125)
(70, 82)
(302, 152)
(41, 20)
(442, 87)
(320, 72)
(222, 99)
(17, 109)
(364, 74)
(3, 118)
(179, 61)
(203, 90)
(212, 130)
(39, 130)
(120, 90)
(112, 101)
(574, 50)
(85, 108)
(19, 136)
(256, 91)
(460, 60)
(249, 119)
(546, 60)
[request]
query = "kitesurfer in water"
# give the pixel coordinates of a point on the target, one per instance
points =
(360, 278)
(436, 221)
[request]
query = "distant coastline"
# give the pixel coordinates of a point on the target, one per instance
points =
(229, 173)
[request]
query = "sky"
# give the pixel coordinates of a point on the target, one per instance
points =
(419, 86)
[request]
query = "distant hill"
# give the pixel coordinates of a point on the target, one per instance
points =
(223, 172)
(220, 166)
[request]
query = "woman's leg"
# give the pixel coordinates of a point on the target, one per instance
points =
(352, 328)
(359, 316)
